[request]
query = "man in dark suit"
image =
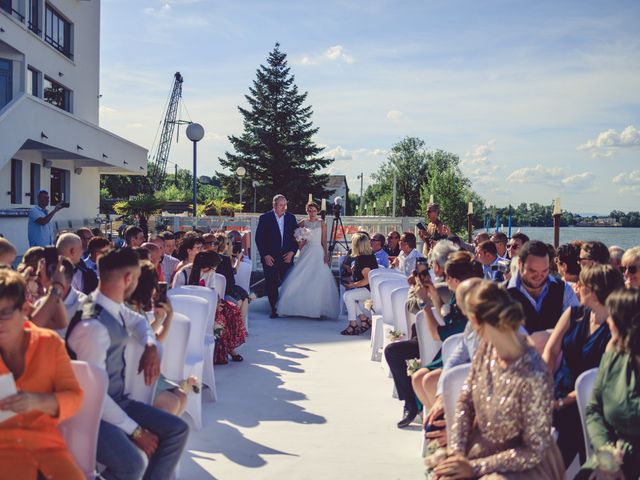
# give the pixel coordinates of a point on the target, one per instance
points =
(277, 246)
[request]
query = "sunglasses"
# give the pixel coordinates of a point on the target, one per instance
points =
(633, 269)
(582, 260)
(512, 246)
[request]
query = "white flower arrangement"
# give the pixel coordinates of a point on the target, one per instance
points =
(302, 234)
(395, 335)
(252, 297)
(413, 365)
(190, 384)
(368, 304)
(445, 310)
(435, 455)
(609, 458)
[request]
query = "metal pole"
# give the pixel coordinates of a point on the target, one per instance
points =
(394, 196)
(195, 156)
(361, 191)
(240, 190)
(255, 189)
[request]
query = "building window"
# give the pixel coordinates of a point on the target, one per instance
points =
(34, 183)
(33, 16)
(33, 82)
(57, 31)
(57, 95)
(10, 6)
(6, 81)
(16, 180)
(60, 185)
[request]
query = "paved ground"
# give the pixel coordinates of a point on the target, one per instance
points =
(307, 403)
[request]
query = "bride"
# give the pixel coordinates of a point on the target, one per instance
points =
(309, 290)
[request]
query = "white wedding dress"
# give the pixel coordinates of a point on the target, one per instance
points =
(309, 290)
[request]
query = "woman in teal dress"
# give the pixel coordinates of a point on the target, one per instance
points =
(613, 414)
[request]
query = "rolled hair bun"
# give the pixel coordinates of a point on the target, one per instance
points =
(492, 304)
(510, 317)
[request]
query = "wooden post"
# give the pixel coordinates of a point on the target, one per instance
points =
(556, 230)
(470, 227)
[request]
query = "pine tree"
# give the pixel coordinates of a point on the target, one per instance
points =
(276, 147)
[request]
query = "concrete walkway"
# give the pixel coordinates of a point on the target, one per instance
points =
(307, 403)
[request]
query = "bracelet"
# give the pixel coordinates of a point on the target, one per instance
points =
(55, 291)
(53, 284)
(137, 433)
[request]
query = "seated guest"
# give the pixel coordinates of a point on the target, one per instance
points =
(7, 253)
(96, 232)
(358, 290)
(405, 262)
(228, 267)
(228, 315)
(97, 246)
(377, 246)
(500, 241)
(581, 336)
(438, 257)
(481, 237)
(190, 246)
(135, 439)
(568, 263)
(393, 245)
(543, 297)
(613, 414)
(133, 236)
(512, 440)
(209, 242)
(487, 255)
(615, 256)
(631, 267)
(85, 235)
(459, 267)
(85, 280)
(168, 395)
(169, 262)
(31, 445)
(515, 244)
(592, 253)
(155, 257)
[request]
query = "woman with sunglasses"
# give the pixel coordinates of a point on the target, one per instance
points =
(631, 267)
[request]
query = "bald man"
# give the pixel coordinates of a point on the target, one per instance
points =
(84, 279)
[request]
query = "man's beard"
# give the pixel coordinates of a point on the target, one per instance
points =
(530, 285)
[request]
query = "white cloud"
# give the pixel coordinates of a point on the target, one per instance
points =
(336, 53)
(537, 174)
(606, 142)
(581, 180)
(394, 115)
(104, 110)
(479, 155)
(629, 182)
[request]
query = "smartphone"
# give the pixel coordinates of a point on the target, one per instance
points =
(237, 248)
(162, 292)
(64, 204)
(50, 260)
(421, 226)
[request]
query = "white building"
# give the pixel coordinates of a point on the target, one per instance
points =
(338, 183)
(49, 100)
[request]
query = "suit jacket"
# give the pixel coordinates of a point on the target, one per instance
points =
(268, 237)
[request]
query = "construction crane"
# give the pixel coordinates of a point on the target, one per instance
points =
(158, 162)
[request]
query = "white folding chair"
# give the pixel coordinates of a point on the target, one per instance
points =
(175, 348)
(376, 276)
(210, 295)
(449, 345)
(196, 310)
(584, 390)
(383, 322)
(452, 381)
(134, 384)
(220, 284)
(429, 347)
(243, 280)
(80, 432)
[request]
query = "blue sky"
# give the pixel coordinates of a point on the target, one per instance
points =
(539, 99)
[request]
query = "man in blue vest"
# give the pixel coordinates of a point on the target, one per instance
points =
(135, 440)
(543, 297)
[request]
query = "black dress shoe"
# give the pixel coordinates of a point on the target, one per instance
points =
(409, 415)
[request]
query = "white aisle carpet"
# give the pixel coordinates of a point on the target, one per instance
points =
(306, 403)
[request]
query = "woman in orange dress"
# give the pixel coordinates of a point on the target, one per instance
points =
(48, 392)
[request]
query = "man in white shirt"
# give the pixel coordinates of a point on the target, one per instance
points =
(406, 261)
(135, 439)
(169, 264)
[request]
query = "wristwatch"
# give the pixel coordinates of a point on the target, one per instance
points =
(55, 290)
(137, 433)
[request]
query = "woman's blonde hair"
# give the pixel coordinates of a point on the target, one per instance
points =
(491, 303)
(632, 255)
(360, 244)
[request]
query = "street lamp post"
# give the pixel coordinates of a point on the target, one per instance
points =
(195, 133)
(255, 184)
(241, 172)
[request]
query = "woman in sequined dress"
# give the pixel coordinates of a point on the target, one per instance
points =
(502, 427)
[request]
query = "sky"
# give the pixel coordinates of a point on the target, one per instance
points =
(538, 99)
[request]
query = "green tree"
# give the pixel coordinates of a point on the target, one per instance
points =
(452, 192)
(141, 207)
(123, 186)
(276, 147)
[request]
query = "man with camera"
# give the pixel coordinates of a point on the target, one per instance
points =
(493, 265)
(40, 229)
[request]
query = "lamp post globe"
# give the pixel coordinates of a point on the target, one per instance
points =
(241, 172)
(195, 133)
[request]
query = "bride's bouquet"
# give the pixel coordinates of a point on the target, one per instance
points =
(302, 234)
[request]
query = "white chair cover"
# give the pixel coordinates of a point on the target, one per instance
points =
(175, 348)
(428, 346)
(134, 384)
(80, 432)
(196, 310)
(452, 382)
(210, 295)
(243, 276)
(380, 322)
(399, 309)
(584, 389)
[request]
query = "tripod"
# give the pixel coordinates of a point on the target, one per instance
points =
(333, 239)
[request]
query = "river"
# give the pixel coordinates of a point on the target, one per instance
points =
(623, 237)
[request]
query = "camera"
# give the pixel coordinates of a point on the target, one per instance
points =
(237, 248)
(162, 292)
(501, 266)
(64, 204)
(421, 226)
